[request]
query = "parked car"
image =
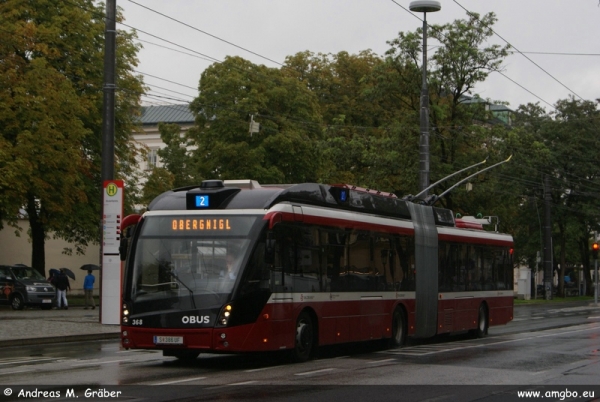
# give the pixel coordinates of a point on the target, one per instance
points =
(24, 286)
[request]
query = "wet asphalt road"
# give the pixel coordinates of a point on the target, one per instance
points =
(545, 346)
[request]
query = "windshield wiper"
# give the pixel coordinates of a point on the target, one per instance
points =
(185, 286)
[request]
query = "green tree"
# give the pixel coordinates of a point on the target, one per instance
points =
(51, 75)
(177, 170)
(283, 151)
(175, 156)
(357, 146)
(573, 136)
(459, 133)
(563, 146)
(159, 181)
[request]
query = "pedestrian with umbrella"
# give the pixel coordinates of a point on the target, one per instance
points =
(52, 279)
(62, 285)
(88, 290)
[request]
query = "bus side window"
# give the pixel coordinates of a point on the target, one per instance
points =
(257, 273)
(381, 261)
(335, 253)
(405, 253)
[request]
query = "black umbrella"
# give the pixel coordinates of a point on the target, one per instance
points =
(90, 267)
(68, 272)
(53, 271)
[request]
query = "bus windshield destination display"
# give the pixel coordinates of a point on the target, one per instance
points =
(200, 224)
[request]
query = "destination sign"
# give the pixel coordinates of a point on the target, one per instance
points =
(201, 224)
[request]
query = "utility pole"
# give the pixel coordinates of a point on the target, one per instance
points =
(595, 249)
(108, 138)
(424, 6)
(108, 109)
(547, 239)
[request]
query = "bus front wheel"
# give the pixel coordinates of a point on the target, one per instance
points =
(399, 329)
(304, 338)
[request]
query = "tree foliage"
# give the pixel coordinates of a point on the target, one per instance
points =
(560, 145)
(355, 119)
(51, 75)
(283, 151)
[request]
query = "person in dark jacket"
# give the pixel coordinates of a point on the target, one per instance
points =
(62, 285)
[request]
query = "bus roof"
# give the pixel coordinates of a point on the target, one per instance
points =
(248, 194)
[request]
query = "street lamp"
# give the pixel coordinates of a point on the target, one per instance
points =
(424, 6)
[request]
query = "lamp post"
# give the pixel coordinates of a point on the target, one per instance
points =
(424, 6)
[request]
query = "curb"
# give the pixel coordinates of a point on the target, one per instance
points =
(59, 339)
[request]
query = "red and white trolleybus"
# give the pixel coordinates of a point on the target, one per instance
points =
(230, 267)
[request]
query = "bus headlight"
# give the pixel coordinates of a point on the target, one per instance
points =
(125, 313)
(224, 316)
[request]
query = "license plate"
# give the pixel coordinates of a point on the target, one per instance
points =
(47, 301)
(168, 340)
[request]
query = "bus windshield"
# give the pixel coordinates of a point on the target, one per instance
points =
(185, 257)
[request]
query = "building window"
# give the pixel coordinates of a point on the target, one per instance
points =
(152, 159)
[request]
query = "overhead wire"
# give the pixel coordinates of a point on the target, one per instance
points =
(522, 54)
(498, 71)
(205, 33)
(212, 59)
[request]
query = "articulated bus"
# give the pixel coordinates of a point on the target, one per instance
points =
(232, 267)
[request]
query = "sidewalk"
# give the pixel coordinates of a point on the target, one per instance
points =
(34, 326)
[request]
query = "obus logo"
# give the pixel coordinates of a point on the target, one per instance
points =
(195, 319)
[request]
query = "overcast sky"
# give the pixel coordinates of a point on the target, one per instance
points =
(561, 39)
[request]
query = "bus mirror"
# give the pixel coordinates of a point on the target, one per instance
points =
(123, 245)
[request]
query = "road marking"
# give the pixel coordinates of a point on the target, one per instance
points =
(178, 381)
(454, 346)
(15, 372)
(315, 372)
(18, 360)
(243, 383)
(99, 362)
(381, 361)
(261, 369)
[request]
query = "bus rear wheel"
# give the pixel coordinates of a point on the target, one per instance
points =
(482, 323)
(399, 329)
(304, 339)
